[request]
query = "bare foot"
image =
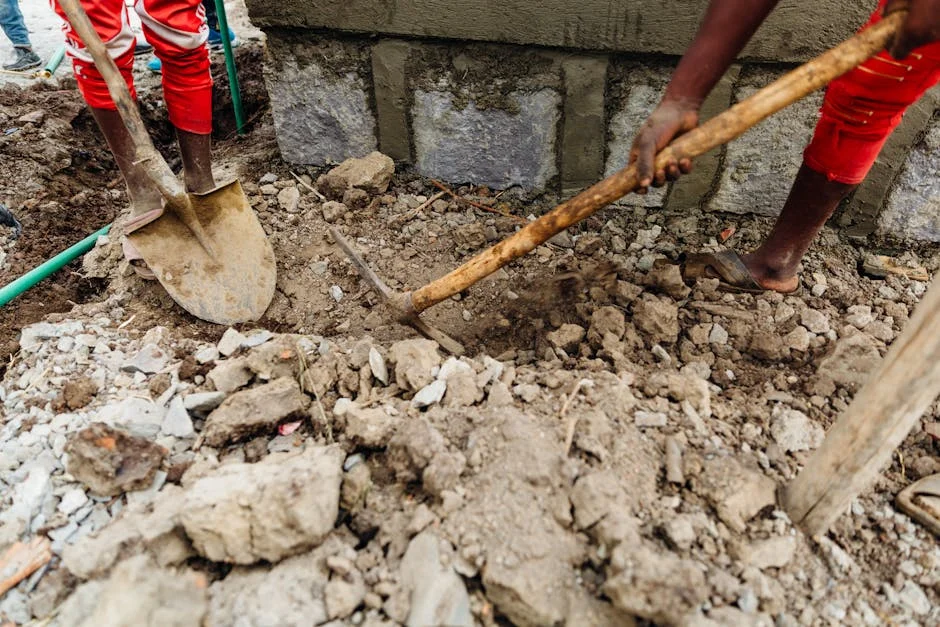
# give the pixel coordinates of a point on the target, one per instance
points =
(770, 278)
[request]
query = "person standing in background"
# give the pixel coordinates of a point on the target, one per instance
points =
(14, 27)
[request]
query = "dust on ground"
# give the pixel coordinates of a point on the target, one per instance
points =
(606, 454)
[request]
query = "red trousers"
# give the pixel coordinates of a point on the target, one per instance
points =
(176, 29)
(863, 107)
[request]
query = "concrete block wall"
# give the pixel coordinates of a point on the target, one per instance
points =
(559, 119)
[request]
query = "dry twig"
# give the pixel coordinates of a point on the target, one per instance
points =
(573, 421)
(482, 207)
(313, 189)
(22, 560)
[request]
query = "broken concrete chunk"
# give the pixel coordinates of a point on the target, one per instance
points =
(657, 318)
(110, 461)
(371, 173)
(593, 496)
(202, 402)
(681, 387)
(438, 594)
(654, 584)
(773, 552)
(177, 422)
(139, 416)
(149, 360)
(372, 427)
(794, 431)
(415, 361)
(280, 506)
(289, 199)
(254, 411)
(606, 320)
(230, 375)
(344, 594)
(431, 394)
(413, 447)
(567, 337)
(139, 593)
(849, 365)
(736, 492)
(667, 278)
(231, 341)
(816, 321)
(462, 390)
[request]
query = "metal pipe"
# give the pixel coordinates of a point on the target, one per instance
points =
(29, 280)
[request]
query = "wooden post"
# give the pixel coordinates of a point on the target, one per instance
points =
(882, 414)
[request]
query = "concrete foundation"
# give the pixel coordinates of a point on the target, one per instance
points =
(553, 99)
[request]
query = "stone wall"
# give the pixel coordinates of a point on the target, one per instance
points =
(548, 96)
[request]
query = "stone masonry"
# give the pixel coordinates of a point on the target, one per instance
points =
(507, 96)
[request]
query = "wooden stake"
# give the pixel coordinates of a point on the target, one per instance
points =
(22, 560)
(882, 414)
(719, 130)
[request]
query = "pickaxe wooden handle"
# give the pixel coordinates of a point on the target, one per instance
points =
(719, 130)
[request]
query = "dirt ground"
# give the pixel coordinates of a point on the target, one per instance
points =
(606, 454)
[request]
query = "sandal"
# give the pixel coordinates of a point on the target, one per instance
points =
(921, 501)
(728, 267)
(131, 253)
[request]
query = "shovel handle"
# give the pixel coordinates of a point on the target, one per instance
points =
(146, 154)
(719, 130)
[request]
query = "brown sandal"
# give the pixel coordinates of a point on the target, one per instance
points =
(921, 501)
(726, 266)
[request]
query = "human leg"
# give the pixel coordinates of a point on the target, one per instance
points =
(12, 23)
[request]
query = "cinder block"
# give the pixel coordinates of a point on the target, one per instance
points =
(636, 90)
(912, 211)
(496, 147)
(760, 166)
(320, 98)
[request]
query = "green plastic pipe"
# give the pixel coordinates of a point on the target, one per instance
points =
(54, 62)
(29, 280)
(230, 67)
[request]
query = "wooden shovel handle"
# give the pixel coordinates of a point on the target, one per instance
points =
(160, 173)
(719, 130)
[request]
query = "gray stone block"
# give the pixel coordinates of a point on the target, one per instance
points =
(583, 134)
(499, 148)
(641, 88)
(912, 211)
(320, 100)
(760, 166)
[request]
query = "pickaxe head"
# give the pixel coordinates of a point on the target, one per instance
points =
(399, 302)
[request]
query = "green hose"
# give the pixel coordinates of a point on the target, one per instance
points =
(230, 67)
(29, 280)
(54, 62)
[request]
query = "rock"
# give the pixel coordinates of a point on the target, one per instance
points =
(430, 394)
(357, 481)
(815, 321)
(139, 593)
(735, 491)
(768, 345)
(153, 527)
(443, 472)
(649, 419)
(33, 117)
(356, 198)
(499, 395)
(77, 393)
(202, 402)
(289, 593)
(654, 585)
(412, 448)
(377, 365)
(680, 532)
(333, 211)
(681, 387)
(667, 278)
(438, 595)
(372, 427)
(859, 316)
(528, 392)
(258, 410)
(230, 375)
(774, 552)
(110, 461)
(336, 293)
(674, 470)
(657, 318)
(414, 362)
(280, 506)
(797, 339)
(289, 199)
(462, 390)
(231, 341)
(141, 417)
(343, 595)
(72, 500)
(604, 321)
(567, 337)
(913, 597)
(149, 360)
(718, 335)
(177, 422)
(593, 496)
(849, 364)
(371, 173)
(794, 431)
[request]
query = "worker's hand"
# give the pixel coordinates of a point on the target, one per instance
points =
(921, 27)
(670, 119)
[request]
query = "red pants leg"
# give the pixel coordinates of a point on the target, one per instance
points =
(863, 107)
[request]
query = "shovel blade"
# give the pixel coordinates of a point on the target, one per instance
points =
(236, 282)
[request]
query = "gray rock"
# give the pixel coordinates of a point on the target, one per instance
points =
(454, 142)
(141, 417)
(794, 431)
(377, 365)
(149, 360)
(230, 375)
(914, 597)
(202, 402)
(206, 355)
(415, 361)
(912, 210)
(333, 211)
(430, 394)
(370, 427)
(258, 410)
(438, 595)
(177, 422)
(736, 492)
(289, 199)
(718, 335)
(567, 337)
(343, 595)
(649, 419)
(72, 501)
(231, 341)
(280, 506)
(775, 552)
(815, 320)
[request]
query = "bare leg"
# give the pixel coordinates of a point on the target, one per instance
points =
(197, 161)
(812, 201)
(143, 195)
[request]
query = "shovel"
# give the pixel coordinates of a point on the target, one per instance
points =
(207, 250)
(406, 306)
